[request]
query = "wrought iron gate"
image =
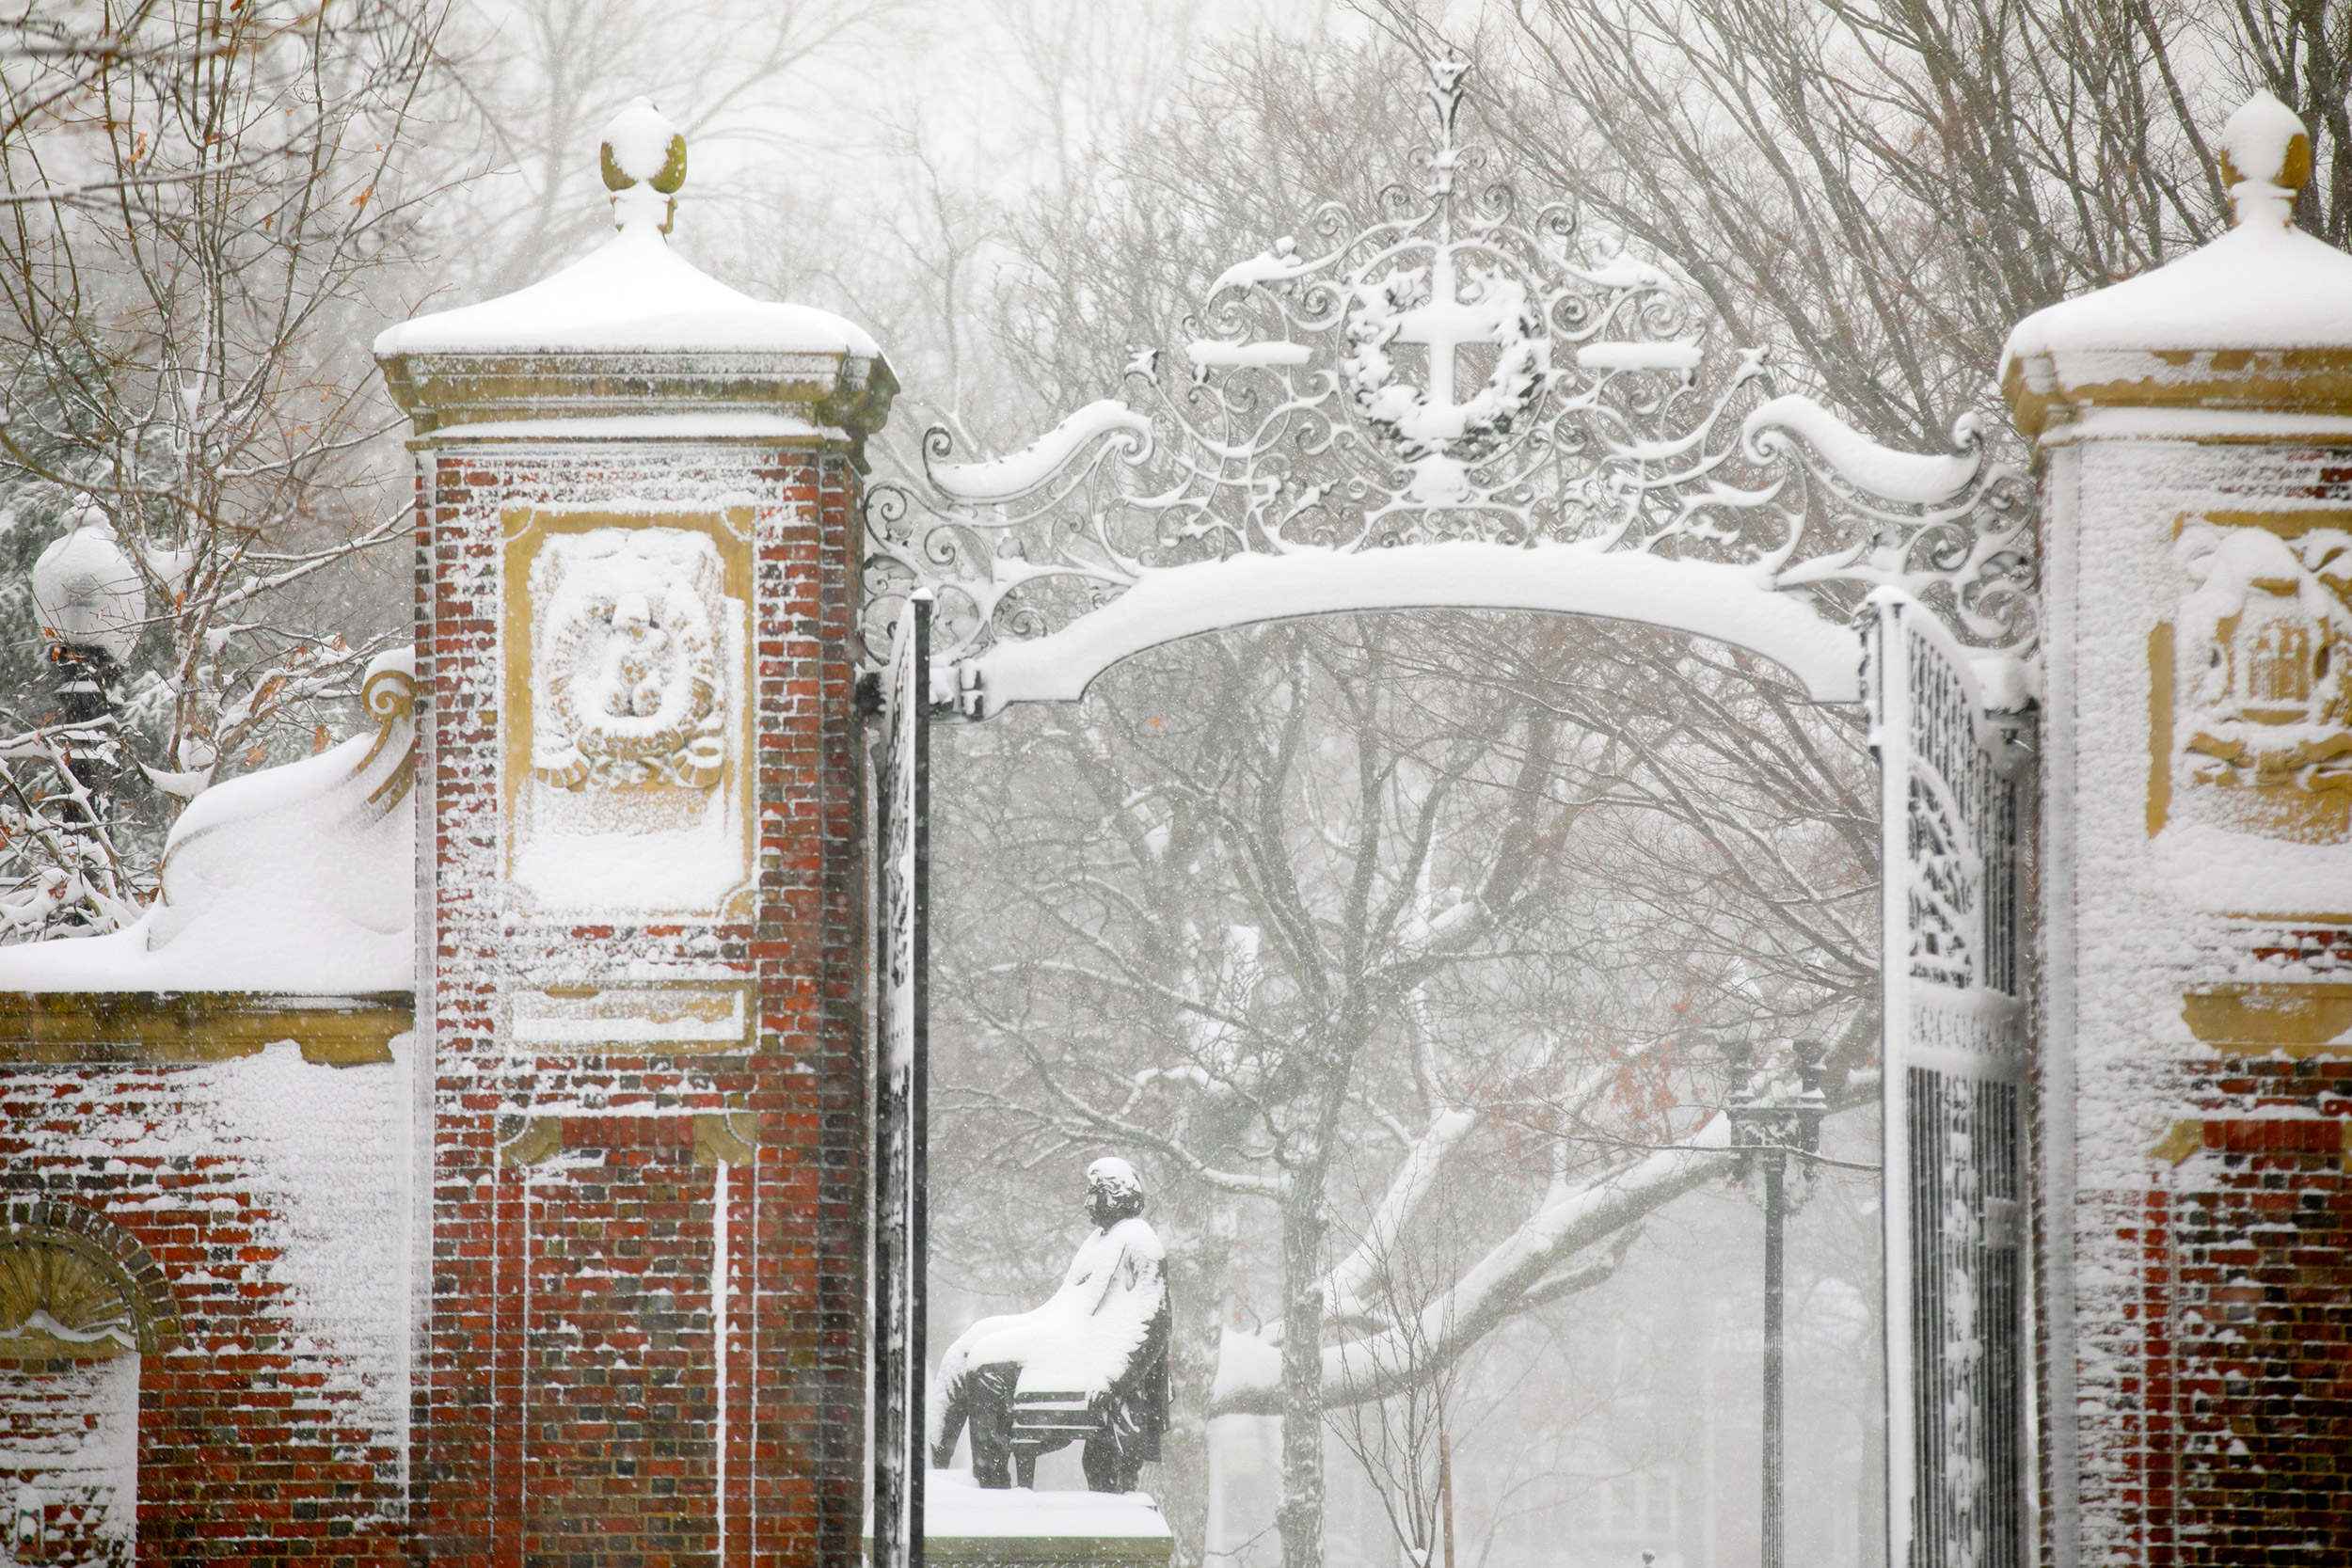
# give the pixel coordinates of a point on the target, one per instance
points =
(1619, 460)
(902, 809)
(1955, 1047)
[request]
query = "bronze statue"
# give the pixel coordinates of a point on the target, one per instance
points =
(1089, 1366)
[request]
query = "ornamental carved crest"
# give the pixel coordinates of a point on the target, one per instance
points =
(630, 694)
(2265, 678)
(1471, 320)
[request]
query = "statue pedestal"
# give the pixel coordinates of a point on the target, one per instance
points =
(964, 1523)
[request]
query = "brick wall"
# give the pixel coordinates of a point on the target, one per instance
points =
(2194, 989)
(570, 1398)
(2249, 1246)
(255, 1205)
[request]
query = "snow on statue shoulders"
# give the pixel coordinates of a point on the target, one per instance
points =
(1089, 1365)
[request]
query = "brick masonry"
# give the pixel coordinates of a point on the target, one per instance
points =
(571, 1404)
(487, 1302)
(265, 1409)
(2231, 1404)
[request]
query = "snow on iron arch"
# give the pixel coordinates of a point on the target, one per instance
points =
(1454, 405)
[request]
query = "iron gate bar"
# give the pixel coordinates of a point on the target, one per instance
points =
(901, 1120)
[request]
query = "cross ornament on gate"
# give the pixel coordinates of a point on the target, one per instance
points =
(1447, 323)
(1435, 425)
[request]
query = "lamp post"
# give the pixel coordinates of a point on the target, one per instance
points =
(1768, 1126)
(91, 602)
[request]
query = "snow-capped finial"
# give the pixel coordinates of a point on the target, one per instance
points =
(644, 161)
(2265, 158)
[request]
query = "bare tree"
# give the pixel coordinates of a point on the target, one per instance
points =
(1306, 919)
(535, 80)
(1402, 1277)
(68, 873)
(1879, 189)
(205, 195)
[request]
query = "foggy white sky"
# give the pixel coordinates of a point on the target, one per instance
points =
(980, 75)
(999, 95)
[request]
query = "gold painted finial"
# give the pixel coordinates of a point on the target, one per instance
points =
(642, 150)
(2265, 158)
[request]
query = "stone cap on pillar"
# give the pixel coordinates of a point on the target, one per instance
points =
(633, 341)
(2248, 338)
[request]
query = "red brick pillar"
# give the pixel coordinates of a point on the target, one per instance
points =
(2194, 429)
(638, 551)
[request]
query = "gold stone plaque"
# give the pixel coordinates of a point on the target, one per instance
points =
(2301, 1019)
(2251, 682)
(627, 710)
(677, 1017)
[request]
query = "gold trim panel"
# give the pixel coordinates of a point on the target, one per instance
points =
(178, 1028)
(2255, 1018)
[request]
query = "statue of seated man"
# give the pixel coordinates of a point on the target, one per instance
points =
(1089, 1366)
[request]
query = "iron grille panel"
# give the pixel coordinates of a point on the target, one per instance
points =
(1954, 1038)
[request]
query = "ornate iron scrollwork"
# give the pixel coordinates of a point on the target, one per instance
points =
(1453, 369)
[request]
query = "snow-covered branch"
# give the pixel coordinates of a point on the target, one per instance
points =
(1363, 1269)
(1524, 1264)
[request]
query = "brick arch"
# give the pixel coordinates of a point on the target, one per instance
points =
(88, 1235)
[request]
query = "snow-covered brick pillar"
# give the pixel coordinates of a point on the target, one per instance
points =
(637, 548)
(2194, 427)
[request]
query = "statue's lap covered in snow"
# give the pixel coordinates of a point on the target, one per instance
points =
(1090, 1365)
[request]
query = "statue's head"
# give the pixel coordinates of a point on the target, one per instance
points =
(1114, 1192)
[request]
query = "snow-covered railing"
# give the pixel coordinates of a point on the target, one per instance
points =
(1450, 405)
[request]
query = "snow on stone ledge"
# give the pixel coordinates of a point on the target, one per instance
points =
(2264, 285)
(955, 1506)
(631, 293)
(300, 878)
(2254, 288)
(715, 425)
